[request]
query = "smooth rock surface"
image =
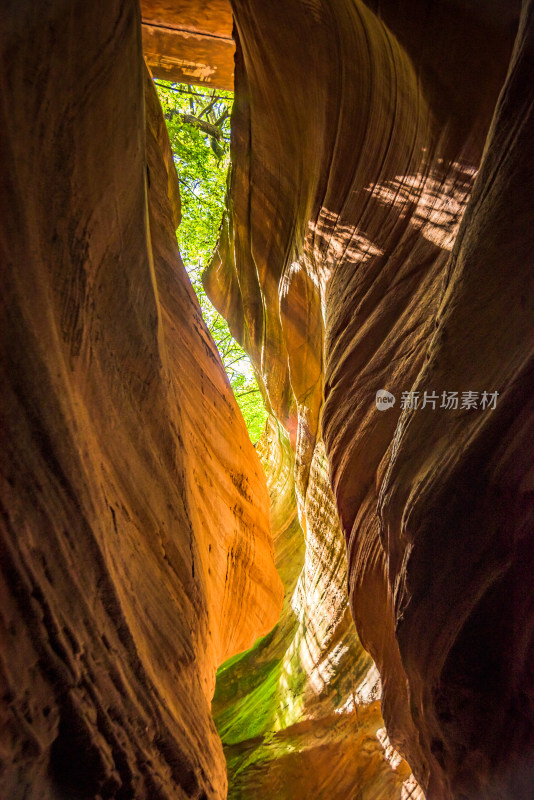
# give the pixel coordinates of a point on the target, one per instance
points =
(299, 713)
(136, 552)
(189, 41)
(379, 236)
(362, 252)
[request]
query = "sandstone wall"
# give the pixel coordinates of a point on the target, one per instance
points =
(189, 41)
(136, 552)
(362, 252)
(379, 235)
(299, 713)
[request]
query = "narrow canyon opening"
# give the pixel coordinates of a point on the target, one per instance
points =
(198, 123)
(267, 526)
(311, 669)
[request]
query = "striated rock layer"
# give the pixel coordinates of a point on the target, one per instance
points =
(299, 713)
(189, 41)
(361, 251)
(136, 552)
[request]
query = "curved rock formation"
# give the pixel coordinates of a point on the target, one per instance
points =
(379, 237)
(299, 713)
(361, 252)
(136, 549)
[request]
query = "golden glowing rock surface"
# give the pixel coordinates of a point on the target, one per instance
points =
(380, 236)
(136, 552)
(299, 713)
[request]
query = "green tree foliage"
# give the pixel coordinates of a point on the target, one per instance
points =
(198, 121)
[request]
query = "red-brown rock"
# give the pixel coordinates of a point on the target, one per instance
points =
(299, 713)
(189, 41)
(379, 236)
(356, 257)
(136, 552)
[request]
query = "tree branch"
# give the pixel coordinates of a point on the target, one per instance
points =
(235, 361)
(250, 391)
(200, 200)
(207, 109)
(201, 124)
(222, 118)
(195, 94)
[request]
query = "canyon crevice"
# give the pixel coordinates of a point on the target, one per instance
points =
(363, 576)
(136, 547)
(379, 236)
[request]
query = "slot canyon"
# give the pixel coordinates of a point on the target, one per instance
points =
(345, 610)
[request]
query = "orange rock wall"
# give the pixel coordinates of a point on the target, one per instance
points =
(136, 552)
(379, 236)
(299, 713)
(189, 41)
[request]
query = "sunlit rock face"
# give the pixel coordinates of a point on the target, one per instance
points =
(135, 539)
(189, 41)
(380, 236)
(299, 713)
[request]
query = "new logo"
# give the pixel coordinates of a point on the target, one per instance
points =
(384, 400)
